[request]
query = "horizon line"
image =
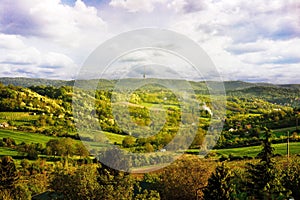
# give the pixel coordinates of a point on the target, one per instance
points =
(197, 81)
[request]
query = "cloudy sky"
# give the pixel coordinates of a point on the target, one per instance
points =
(256, 41)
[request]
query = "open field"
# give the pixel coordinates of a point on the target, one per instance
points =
(18, 117)
(102, 136)
(283, 131)
(254, 150)
(4, 151)
(114, 137)
(28, 138)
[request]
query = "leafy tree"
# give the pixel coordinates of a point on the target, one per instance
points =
(114, 184)
(32, 154)
(117, 159)
(146, 194)
(291, 178)
(149, 147)
(9, 142)
(184, 178)
(128, 141)
(8, 173)
(220, 185)
(76, 184)
(81, 150)
(54, 147)
(68, 145)
(62, 147)
(199, 138)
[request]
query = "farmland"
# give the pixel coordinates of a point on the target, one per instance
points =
(26, 137)
(40, 131)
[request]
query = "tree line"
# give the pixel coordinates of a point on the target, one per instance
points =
(188, 178)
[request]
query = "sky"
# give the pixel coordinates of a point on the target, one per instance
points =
(254, 41)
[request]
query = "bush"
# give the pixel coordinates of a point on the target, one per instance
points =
(128, 142)
(32, 154)
(223, 158)
(183, 178)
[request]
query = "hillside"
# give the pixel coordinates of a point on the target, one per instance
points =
(229, 85)
(284, 95)
(27, 82)
(14, 98)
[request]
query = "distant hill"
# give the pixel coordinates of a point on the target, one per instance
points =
(237, 85)
(17, 98)
(293, 86)
(282, 95)
(230, 86)
(27, 82)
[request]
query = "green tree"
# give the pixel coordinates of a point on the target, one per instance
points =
(68, 146)
(146, 194)
(185, 178)
(8, 173)
(114, 184)
(149, 147)
(61, 147)
(220, 185)
(76, 184)
(263, 180)
(128, 141)
(54, 147)
(291, 178)
(81, 150)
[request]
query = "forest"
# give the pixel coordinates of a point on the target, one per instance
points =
(52, 142)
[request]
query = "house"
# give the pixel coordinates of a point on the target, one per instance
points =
(4, 125)
(232, 130)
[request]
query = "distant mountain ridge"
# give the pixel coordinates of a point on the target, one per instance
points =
(27, 82)
(229, 85)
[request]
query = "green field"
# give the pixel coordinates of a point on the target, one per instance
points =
(283, 131)
(114, 138)
(18, 117)
(4, 151)
(102, 136)
(253, 151)
(28, 138)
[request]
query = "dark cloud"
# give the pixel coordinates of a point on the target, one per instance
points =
(15, 63)
(152, 71)
(285, 33)
(50, 67)
(193, 6)
(22, 71)
(238, 50)
(287, 60)
(131, 60)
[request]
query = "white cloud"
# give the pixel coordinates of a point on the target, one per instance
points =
(137, 5)
(18, 59)
(187, 6)
(273, 52)
(48, 35)
(10, 42)
(248, 40)
(245, 39)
